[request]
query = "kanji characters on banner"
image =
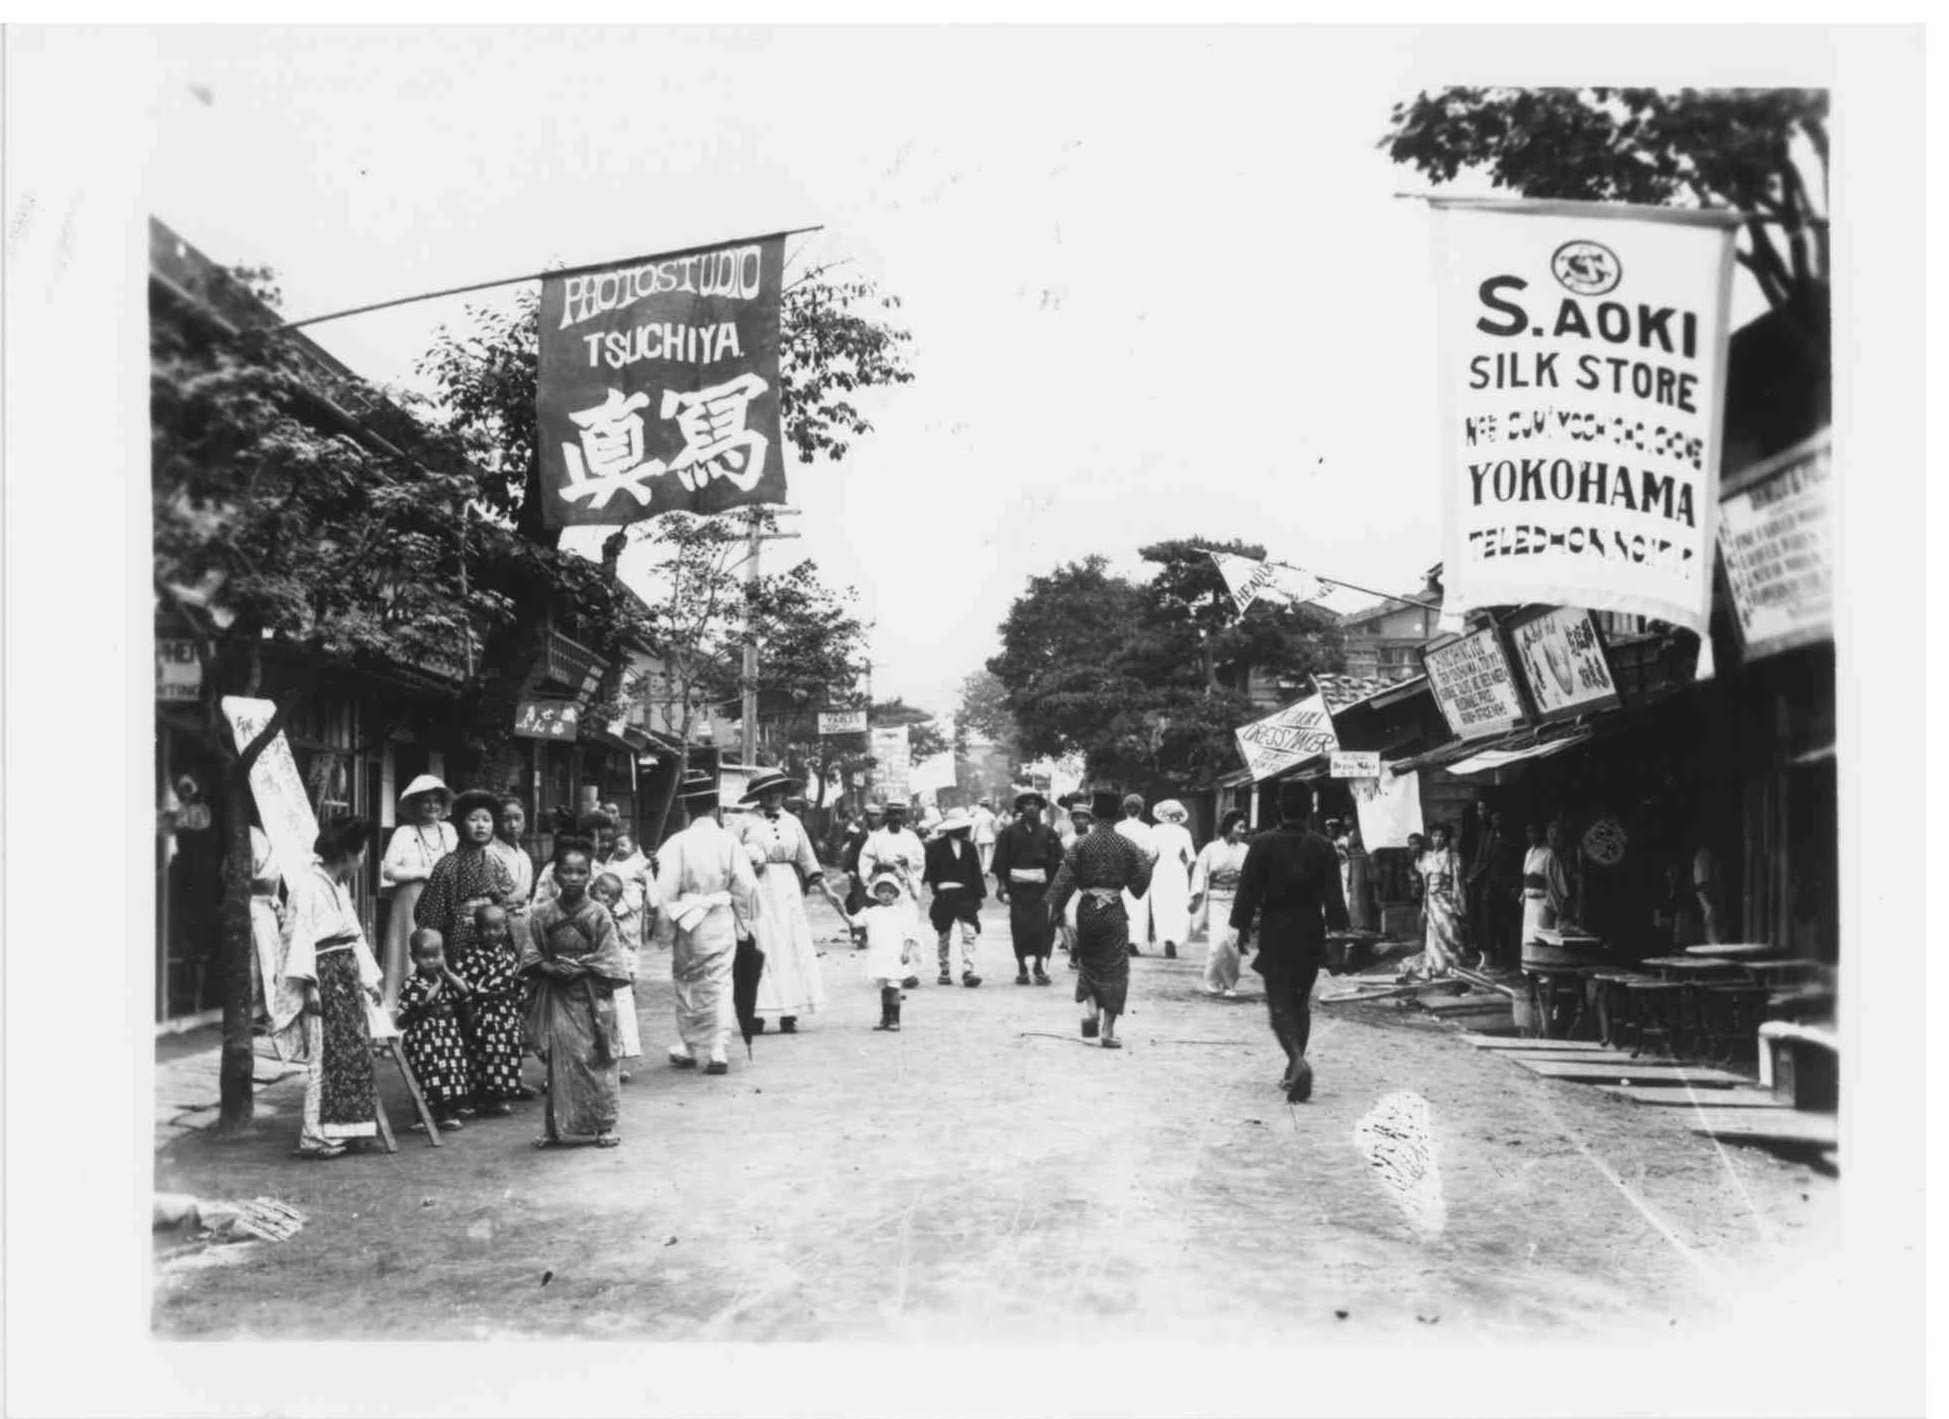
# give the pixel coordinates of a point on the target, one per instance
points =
(658, 387)
(1582, 355)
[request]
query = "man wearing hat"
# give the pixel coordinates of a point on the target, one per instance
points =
(781, 854)
(856, 835)
(1101, 868)
(953, 869)
(986, 832)
(705, 897)
(1027, 857)
(1291, 880)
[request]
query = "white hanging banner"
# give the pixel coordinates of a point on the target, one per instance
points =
(1248, 579)
(1389, 808)
(1582, 354)
(1295, 733)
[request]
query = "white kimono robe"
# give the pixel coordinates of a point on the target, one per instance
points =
(782, 851)
(1170, 889)
(706, 897)
(1138, 909)
(900, 853)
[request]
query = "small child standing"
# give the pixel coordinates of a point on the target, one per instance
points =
(492, 1023)
(892, 940)
(427, 1014)
(608, 890)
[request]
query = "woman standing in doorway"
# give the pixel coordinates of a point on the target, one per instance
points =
(1441, 874)
(422, 838)
(327, 976)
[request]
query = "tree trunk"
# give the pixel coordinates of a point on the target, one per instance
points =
(237, 1101)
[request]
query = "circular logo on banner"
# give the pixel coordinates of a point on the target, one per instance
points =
(1586, 268)
(1604, 842)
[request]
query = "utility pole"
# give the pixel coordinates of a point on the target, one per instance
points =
(755, 538)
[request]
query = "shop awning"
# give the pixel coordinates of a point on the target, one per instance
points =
(1237, 778)
(1489, 760)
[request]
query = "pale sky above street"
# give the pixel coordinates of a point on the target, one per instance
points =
(1158, 281)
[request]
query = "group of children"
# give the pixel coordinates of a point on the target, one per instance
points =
(457, 1029)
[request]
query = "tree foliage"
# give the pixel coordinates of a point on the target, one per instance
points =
(1762, 152)
(1148, 680)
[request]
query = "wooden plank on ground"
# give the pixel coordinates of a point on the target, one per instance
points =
(1484, 1042)
(1783, 1125)
(1635, 1071)
(1677, 1094)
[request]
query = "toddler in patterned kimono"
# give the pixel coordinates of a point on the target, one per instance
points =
(427, 1014)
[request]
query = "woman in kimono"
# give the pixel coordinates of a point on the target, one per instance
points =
(327, 977)
(464, 881)
(1441, 873)
(575, 962)
(1170, 892)
(781, 855)
(1214, 887)
(422, 838)
(509, 825)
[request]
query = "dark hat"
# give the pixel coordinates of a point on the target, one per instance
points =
(474, 798)
(1105, 803)
(1026, 801)
(697, 783)
(766, 782)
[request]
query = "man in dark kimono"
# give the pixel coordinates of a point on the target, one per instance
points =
(1028, 854)
(1291, 878)
(1100, 867)
(953, 870)
(1490, 878)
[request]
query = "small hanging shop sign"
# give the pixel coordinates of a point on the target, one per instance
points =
(547, 719)
(1560, 656)
(1775, 536)
(1348, 763)
(1474, 684)
(179, 674)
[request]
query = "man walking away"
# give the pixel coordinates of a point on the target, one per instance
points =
(1290, 879)
(1137, 908)
(1102, 868)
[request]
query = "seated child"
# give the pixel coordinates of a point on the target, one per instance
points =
(892, 930)
(608, 890)
(434, 1046)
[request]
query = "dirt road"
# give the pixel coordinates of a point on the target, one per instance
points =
(987, 1175)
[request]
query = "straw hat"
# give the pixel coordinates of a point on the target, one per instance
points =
(766, 782)
(425, 783)
(1170, 811)
(957, 821)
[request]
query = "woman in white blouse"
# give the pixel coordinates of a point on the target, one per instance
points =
(422, 838)
(1214, 883)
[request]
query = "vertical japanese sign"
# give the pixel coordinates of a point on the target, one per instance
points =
(659, 389)
(275, 783)
(1776, 539)
(1297, 732)
(1582, 355)
(1473, 684)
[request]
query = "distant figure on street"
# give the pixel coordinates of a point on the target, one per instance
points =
(1134, 829)
(1485, 873)
(1360, 881)
(422, 838)
(1170, 887)
(897, 849)
(1027, 857)
(953, 871)
(705, 897)
(1214, 887)
(862, 827)
(1546, 884)
(1291, 883)
(1079, 821)
(1440, 869)
(575, 960)
(1102, 869)
(786, 868)
(986, 830)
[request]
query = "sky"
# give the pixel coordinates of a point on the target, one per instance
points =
(1159, 282)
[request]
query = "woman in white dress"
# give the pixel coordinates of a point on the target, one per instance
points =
(781, 855)
(1214, 885)
(1170, 890)
(422, 838)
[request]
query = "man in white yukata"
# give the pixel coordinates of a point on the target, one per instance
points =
(1137, 908)
(781, 855)
(706, 898)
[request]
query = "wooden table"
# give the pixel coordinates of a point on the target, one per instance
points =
(1741, 951)
(1688, 968)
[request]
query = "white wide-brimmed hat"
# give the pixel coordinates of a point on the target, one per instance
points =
(956, 821)
(1170, 811)
(425, 783)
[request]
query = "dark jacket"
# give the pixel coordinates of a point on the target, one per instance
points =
(944, 865)
(1291, 881)
(1027, 849)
